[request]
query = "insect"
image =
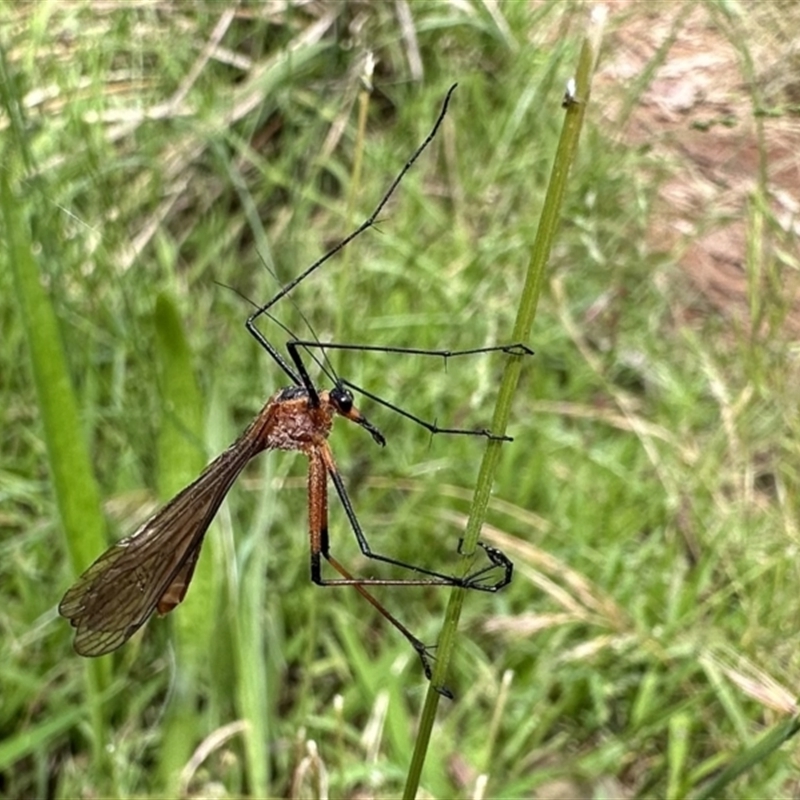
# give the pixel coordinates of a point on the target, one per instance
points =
(150, 570)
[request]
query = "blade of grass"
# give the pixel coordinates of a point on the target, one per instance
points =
(752, 756)
(680, 726)
(180, 459)
(37, 737)
(76, 491)
(565, 155)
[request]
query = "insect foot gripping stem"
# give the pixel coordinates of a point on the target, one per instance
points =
(478, 580)
(427, 657)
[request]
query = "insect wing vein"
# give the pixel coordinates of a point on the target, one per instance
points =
(119, 592)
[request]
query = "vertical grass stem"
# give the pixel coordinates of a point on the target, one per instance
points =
(565, 155)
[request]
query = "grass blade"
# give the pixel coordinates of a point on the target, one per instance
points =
(752, 756)
(76, 491)
(181, 459)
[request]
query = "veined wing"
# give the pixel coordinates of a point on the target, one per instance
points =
(152, 567)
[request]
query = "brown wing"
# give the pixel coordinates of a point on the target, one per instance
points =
(153, 566)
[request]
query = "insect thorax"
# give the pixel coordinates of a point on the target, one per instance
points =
(295, 423)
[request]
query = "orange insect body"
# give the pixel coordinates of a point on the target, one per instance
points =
(151, 569)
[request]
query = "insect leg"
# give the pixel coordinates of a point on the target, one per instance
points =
(513, 349)
(473, 581)
(517, 349)
(318, 527)
(367, 223)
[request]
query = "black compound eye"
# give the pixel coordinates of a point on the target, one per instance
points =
(342, 399)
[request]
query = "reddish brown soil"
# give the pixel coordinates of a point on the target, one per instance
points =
(698, 112)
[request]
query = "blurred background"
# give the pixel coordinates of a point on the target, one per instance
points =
(165, 163)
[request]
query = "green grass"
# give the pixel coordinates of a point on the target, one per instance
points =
(648, 500)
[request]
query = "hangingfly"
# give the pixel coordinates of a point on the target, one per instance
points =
(151, 569)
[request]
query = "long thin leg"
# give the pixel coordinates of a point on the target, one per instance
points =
(367, 223)
(276, 356)
(319, 468)
(511, 349)
(318, 527)
(431, 427)
(474, 581)
(422, 650)
(514, 349)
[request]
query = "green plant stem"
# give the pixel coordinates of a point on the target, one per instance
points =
(545, 235)
(75, 488)
(180, 460)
